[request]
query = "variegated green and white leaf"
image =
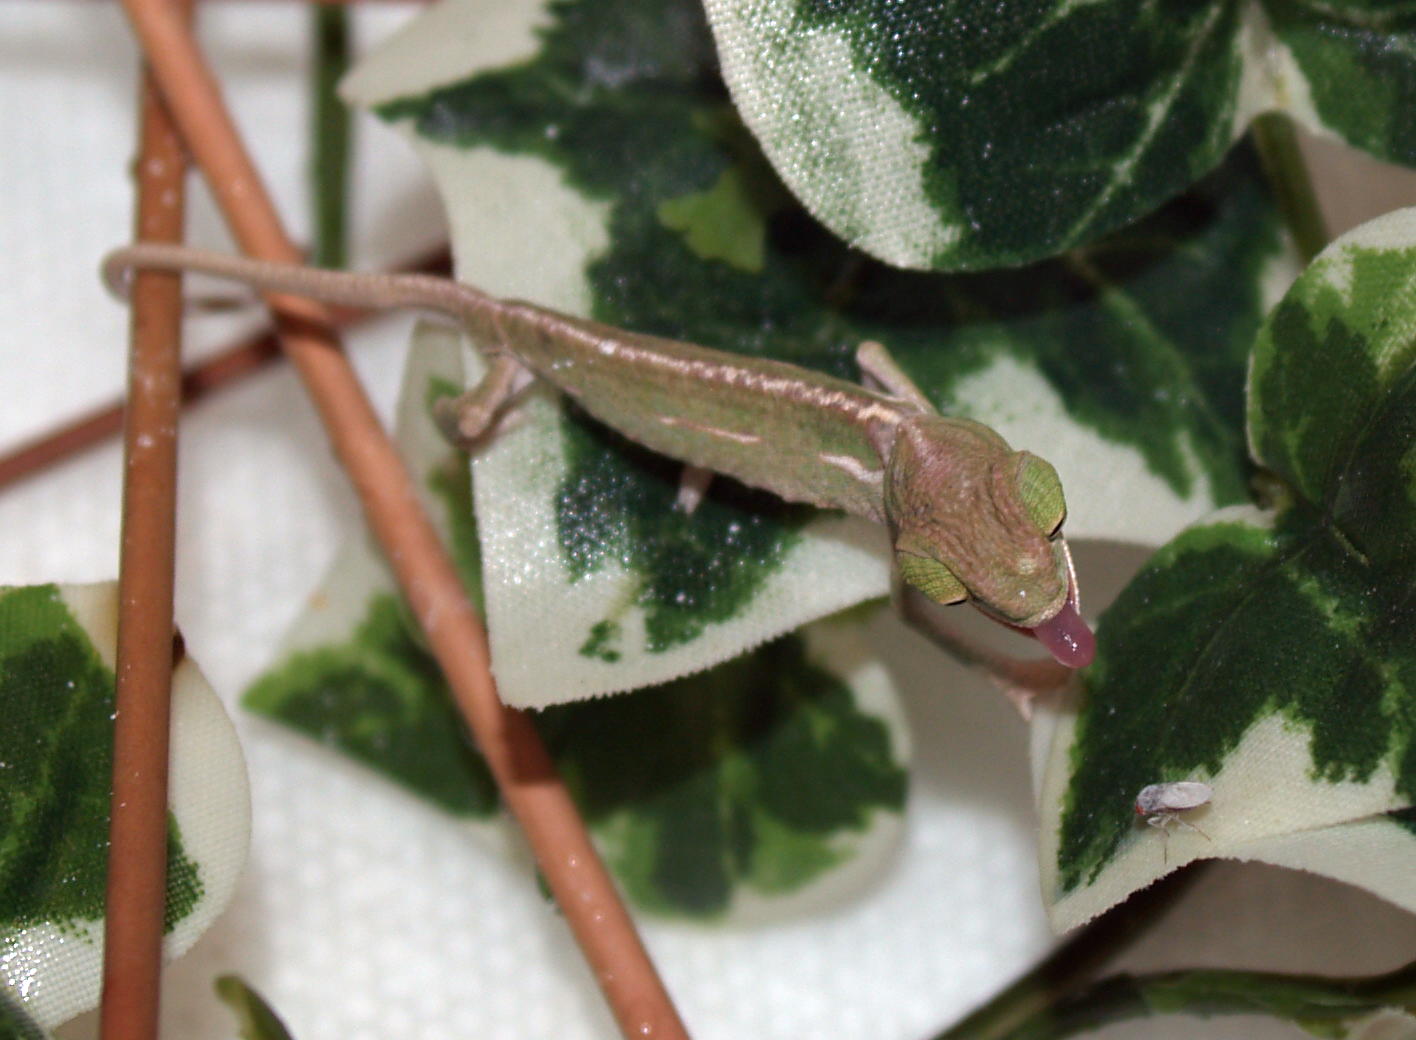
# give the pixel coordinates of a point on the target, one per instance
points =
(594, 166)
(1346, 67)
(963, 135)
(1272, 656)
(769, 783)
(57, 646)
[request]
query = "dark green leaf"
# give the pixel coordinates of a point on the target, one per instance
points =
(1227, 625)
(380, 698)
(750, 774)
(1333, 406)
(757, 772)
(968, 135)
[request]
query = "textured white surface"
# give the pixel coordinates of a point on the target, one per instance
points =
(365, 914)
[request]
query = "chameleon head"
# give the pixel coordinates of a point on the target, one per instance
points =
(974, 520)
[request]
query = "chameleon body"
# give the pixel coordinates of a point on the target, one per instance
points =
(971, 519)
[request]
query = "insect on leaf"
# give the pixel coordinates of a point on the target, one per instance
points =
(1272, 656)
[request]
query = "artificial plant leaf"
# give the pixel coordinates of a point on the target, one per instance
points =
(771, 781)
(1374, 852)
(57, 646)
(1271, 656)
(967, 135)
(762, 777)
(594, 166)
(1373, 1007)
(256, 1018)
(1354, 63)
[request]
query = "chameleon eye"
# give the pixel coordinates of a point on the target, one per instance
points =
(931, 577)
(1041, 493)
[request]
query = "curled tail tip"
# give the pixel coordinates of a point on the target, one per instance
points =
(117, 272)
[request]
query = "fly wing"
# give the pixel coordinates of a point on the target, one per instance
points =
(1184, 794)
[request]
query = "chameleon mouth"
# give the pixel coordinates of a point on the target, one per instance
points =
(1066, 636)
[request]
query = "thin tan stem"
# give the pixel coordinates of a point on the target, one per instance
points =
(137, 841)
(528, 781)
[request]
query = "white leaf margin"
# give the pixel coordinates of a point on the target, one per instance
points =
(538, 617)
(56, 971)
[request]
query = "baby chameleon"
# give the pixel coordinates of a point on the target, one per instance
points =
(971, 519)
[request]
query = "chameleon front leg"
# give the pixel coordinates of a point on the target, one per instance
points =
(467, 418)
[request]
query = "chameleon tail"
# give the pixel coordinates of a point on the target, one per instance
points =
(473, 309)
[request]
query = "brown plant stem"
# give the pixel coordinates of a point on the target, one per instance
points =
(528, 781)
(137, 836)
(222, 369)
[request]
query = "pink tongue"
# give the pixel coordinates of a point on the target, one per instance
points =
(1067, 637)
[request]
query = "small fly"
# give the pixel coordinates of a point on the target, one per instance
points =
(1162, 804)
